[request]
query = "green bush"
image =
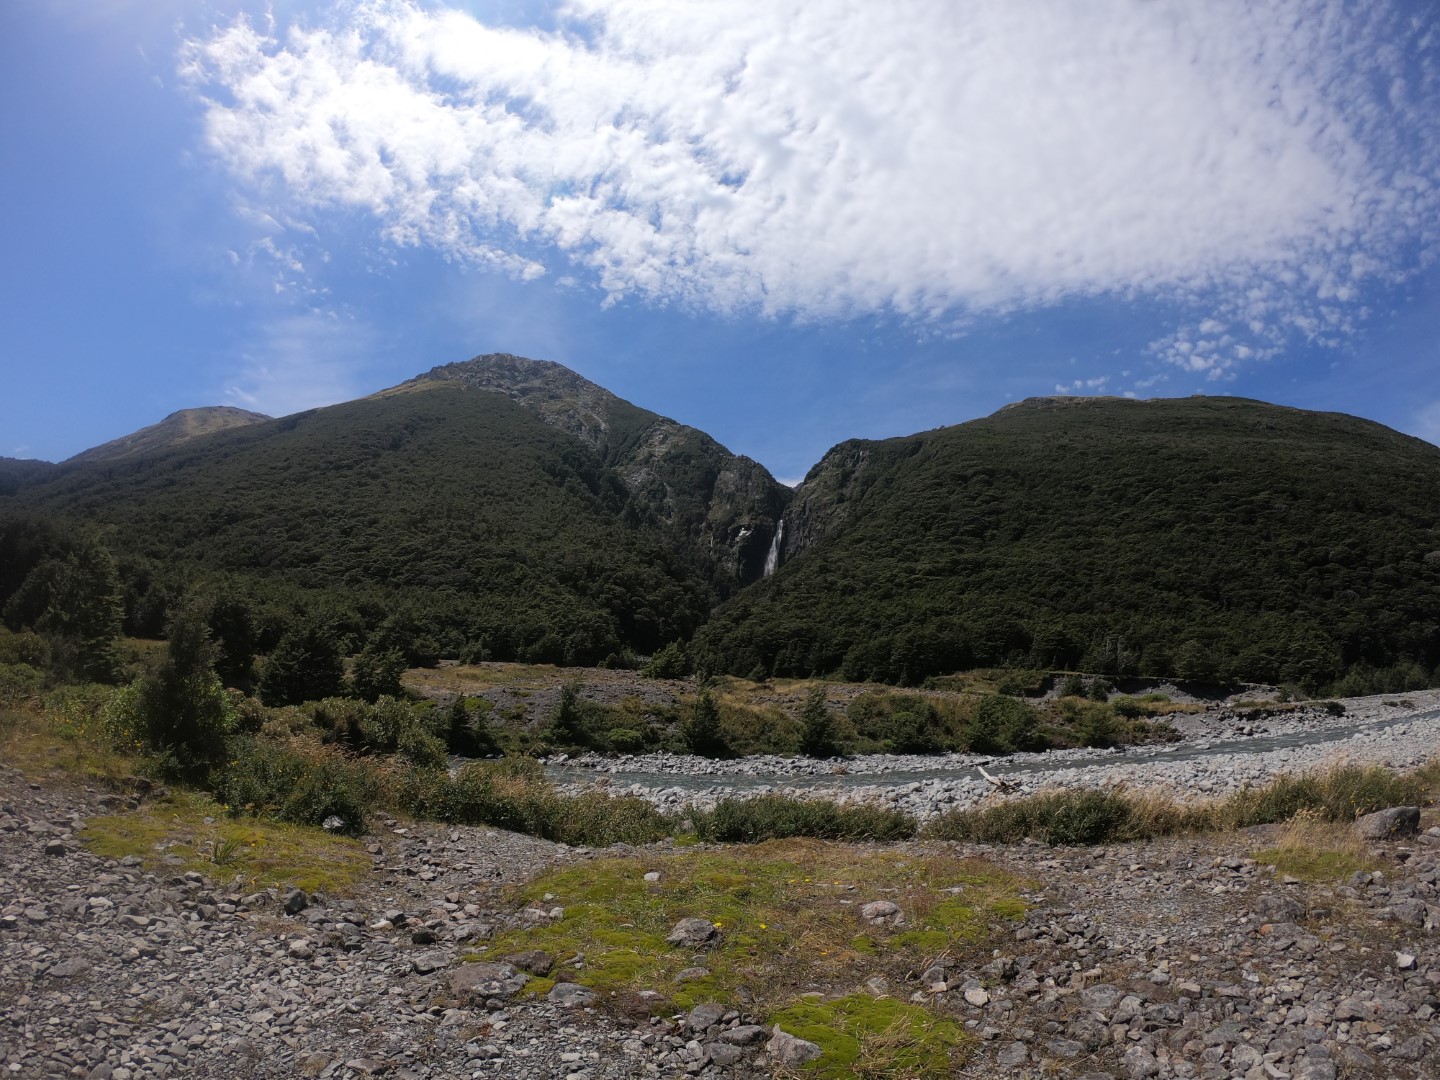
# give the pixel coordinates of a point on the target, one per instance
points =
(776, 817)
(671, 662)
(293, 783)
(701, 730)
(1002, 725)
(817, 727)
(1072, 686)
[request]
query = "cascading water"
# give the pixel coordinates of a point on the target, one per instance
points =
(772, 557)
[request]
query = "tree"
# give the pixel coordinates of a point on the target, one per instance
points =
(701, 729)
(467, 732)
(303, 666)
(817, 727)
(376, 673)
(669, 663)
(567, 725)
(75, 600)
(180, 709)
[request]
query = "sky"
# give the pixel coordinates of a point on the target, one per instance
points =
(786, 222)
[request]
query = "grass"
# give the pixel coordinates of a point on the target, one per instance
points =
(875, 1038)
(1313, 849)
(67, 737)
(190, 831)
(788, 916)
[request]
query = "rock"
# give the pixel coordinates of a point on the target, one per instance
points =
(296, 901)
(652, 876)
(702, 1016)
(1139, 1062)
(786, 1049)
(693, 933)
(1015, 1054)
(977, 996)
(570, 995)
(68, 969)
(535, 961)
(1411, 912)
(1065, 1048)
(55, 847)
(1385, 824)
(1405, 961)
(333, 824)
(744, 1035)
(689, 973)
(881, 913)
(485, 980)
(723, 1053)
(1101, 997)
(425, 963)
(300, 949)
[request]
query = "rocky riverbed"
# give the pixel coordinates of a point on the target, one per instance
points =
(1218, 751)
(1182, 958)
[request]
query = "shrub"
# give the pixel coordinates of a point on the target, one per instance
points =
(701, 729)
(1072, 686)
(303, 666)
(817, 727)
(1342, 793)
(671, 662)
(304, 785)
(376, 673)
(777, 817)
(1002, 725)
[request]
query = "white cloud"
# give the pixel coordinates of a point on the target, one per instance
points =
(302, 361)
(1261, 163)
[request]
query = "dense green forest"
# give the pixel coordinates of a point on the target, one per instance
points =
(1201, 538)
(446, 521)
(508, 509)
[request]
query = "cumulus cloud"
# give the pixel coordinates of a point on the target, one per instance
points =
(1261, 165)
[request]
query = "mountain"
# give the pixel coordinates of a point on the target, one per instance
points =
(15, 473)
(501, 507)
(178, 427)
(1201, 537)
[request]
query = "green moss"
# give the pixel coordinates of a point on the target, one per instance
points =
(1313, 864)
(863, 1036)
(190, 832)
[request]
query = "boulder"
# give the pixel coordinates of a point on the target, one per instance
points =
(570, 995)
(1387, 824)
(881, 913)
(786, 1049)
(693, 933)
(486, 980)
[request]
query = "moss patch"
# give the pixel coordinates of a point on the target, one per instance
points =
(788, 916)
(191, 832)
(864, 1036)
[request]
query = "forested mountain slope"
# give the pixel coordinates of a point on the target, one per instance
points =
(459, 511)
(1195, 537)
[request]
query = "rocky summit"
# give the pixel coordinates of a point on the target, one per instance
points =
(1179, 958)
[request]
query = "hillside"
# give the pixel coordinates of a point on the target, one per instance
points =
(1197, 537)
(460, 515)
(178, 427)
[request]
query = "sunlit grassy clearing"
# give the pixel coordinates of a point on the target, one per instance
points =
(191, 832)
(787, 911)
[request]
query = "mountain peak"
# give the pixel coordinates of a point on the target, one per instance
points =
(179, 427)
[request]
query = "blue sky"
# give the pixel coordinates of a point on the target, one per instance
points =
(787, 223)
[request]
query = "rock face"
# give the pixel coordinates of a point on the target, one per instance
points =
(724, 506)
(1386, 824)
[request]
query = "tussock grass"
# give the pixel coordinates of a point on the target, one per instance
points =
(1312, 848)
(1340, 793)
(776, 817)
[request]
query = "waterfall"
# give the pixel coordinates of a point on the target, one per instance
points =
(772, 557)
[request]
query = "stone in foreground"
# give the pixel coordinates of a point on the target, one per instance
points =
(786, 1049)
(693, 933)
(1387, 824)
